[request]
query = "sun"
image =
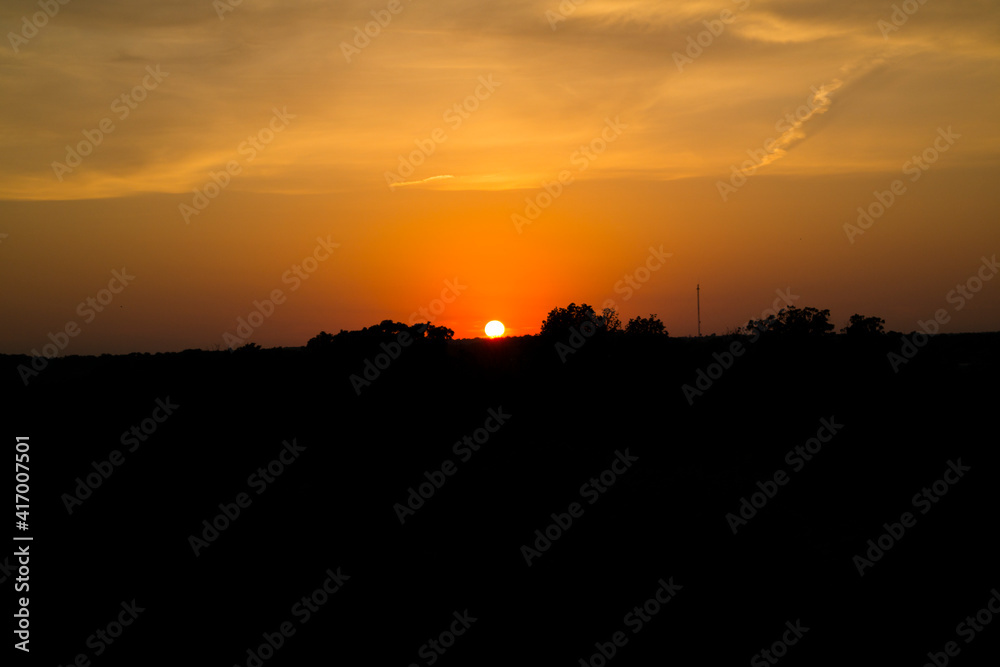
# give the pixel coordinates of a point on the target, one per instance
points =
(494, 329)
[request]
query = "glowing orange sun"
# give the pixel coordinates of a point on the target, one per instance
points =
(494, 329)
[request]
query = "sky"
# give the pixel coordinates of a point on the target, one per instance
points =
(169, 167)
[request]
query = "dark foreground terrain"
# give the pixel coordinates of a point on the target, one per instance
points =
(912, 453)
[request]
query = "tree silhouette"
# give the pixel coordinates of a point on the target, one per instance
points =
(439, 333)
(645, 326)
(794, 321)
(612, 323)
(385, 331)
(559, 321)
(388, 328)
(321, 341)
(864, 326)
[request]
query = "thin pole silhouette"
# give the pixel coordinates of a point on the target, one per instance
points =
(698, 290)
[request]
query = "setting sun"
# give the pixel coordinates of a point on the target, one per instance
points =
(494, 329)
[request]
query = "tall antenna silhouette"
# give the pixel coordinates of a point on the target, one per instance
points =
(698, 289)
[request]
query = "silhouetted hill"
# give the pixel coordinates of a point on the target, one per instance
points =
(664, 516)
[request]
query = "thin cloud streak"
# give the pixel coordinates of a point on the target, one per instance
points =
(820, 103)
(423, 180)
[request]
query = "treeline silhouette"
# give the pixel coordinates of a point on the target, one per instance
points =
(583, 319)
(790, 321)
(384, 331)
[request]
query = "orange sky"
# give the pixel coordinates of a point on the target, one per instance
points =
(487, 104)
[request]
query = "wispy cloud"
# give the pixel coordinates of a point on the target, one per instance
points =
(423, 180)
(821, 101)
(609, 58)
